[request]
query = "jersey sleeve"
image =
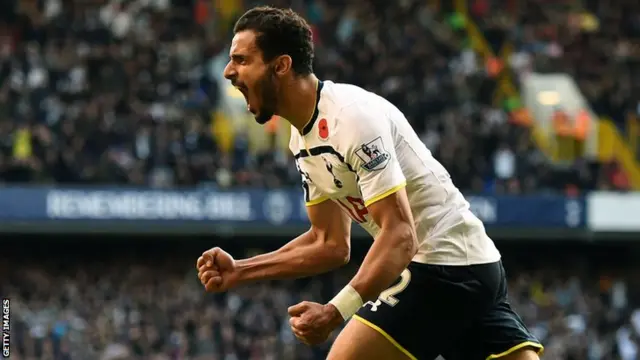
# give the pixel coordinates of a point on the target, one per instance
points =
(370, 150)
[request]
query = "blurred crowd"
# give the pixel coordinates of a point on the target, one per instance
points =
(131, 92)
(135, 304)
(585, 39)
(595, 42)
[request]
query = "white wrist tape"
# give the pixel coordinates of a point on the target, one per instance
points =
(348, 302)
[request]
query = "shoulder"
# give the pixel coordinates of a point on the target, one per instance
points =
(348, 114)
(338, 97)
(356, 107)
(362, 117)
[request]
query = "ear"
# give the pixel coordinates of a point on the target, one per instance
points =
(282, 64)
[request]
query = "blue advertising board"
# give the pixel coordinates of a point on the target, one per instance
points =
(251, 208)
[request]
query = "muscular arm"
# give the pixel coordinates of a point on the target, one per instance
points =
(393, 248)
(324, 247)
(370, 141)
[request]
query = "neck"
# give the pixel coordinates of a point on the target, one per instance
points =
(298, 101)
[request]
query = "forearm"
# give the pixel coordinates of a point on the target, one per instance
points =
(389, 255)
(303, 256)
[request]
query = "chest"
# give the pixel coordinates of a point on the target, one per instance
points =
(329, 174)
(332, 177)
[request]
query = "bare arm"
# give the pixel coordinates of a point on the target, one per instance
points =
(382, 182)
(393, 248)
(324, 247)
(389, 256)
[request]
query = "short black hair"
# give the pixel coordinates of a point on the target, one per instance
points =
(280, 32)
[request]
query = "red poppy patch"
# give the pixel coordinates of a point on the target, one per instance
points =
(323, 129)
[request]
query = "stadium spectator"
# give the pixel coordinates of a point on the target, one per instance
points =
(132, 93)
(582, 39)
(130, 302)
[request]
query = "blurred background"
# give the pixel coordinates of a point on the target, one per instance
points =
(124, 154)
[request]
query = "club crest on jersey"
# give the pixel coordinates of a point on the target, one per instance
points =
(323, 130)
(374, 155)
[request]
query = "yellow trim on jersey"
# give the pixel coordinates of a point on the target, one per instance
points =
(518, 347)
(317, 201)
(386, 336)
(385, 194)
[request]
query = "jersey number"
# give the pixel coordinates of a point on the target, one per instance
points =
(355, 208)
(388, 296)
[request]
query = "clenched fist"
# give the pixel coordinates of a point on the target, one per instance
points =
(313, 323)
(217, 270)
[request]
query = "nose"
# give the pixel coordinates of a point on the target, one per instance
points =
(230, 71)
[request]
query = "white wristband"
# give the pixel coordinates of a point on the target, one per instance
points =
(348, 302)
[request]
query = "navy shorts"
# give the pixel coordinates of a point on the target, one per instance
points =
(458, 312)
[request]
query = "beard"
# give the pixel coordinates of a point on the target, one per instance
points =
(267, 90)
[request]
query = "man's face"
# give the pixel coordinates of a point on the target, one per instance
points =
(252, 76)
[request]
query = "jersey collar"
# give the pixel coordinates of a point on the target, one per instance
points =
(307, 128)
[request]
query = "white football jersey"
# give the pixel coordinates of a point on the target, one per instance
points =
(359, 148)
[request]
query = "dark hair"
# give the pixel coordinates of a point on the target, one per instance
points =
(280, 32)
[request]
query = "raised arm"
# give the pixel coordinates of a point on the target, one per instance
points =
(324, 247)
(370, 149)
(392, 250)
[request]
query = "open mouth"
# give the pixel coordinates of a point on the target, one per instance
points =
(245, 92)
